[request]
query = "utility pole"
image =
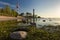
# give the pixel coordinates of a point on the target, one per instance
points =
(33, 15)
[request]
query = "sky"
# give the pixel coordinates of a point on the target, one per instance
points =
(43, 8)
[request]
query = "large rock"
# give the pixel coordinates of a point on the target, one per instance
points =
(18, 35)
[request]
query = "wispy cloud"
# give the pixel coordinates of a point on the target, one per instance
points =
(5, 3)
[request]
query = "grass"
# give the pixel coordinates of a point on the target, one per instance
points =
(40, 34)
(6, 27)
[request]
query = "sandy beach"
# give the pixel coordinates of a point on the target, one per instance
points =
(2, 18)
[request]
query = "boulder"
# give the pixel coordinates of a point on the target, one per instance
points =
(18, 35)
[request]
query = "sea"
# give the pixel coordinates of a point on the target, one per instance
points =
(40, 22)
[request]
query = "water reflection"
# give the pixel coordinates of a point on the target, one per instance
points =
(43, 22)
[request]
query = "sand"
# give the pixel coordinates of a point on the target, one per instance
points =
(7, 18)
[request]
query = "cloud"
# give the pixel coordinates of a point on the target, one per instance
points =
(5, 3)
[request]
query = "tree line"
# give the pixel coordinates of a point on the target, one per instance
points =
(7, 11)
(28, 14)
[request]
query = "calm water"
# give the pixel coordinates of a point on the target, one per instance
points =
(50, 21)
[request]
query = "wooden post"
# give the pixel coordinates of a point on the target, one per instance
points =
(33, 16)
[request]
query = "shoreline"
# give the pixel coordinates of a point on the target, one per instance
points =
(3, 18)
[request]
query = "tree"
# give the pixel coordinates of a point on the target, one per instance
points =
(21, 14)
(1, 11)
(7, 11)
(28, 16)
(14, 13)
(39, 17)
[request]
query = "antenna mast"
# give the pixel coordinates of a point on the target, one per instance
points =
(17, 6)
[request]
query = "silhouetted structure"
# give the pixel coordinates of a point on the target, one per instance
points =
(33, 15)
(33, 24)
(17, 7)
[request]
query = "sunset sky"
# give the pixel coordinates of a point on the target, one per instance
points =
(43, 8)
